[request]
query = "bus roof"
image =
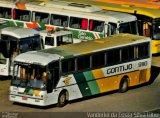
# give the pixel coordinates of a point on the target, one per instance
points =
(19, 32)
(95, 14)
(154, 13)
(90, 11)
(70, 50)
(154, 4)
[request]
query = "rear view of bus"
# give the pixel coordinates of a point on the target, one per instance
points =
(13, 41)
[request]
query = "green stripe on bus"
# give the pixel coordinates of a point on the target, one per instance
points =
(89, 88)
(84, 88)
(11, 23)
(80, 77)
(20, 24)
(93, 87)
(88, 75)
(92, 83)
(101, 36)
(84, 34)
(42, 25)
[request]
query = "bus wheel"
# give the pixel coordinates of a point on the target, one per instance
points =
(123, 86)
(62, 99)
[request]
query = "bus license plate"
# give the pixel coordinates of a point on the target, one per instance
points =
(24, 98)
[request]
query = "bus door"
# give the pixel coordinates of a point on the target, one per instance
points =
(14, 51)
(112, 28)
(53, 76)
(106, 29)
(4, 58)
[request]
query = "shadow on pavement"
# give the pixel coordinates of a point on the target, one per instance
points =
(34, 106)
(154, 74)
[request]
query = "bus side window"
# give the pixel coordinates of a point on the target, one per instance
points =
(68, 66)
(95, 25)
(98, 60)
(113, 56)
(5, 12)
(59, 20)
(49, 41)
(127, 54)
(40, 17)
(75, 22)
(23, 15)
(143, 51)
(147, 29)
(83, 62)
(84, 24)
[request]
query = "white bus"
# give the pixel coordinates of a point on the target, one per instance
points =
(53, 38)
(16, 40)
(85, 21)
(64, 73)
(13, 41)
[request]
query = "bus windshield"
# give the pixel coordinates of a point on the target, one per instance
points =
(13, 46)
(29, 76)
(156, 29)
(30, 44)
(129, 27)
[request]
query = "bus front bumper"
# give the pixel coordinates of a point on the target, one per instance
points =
(27, 100)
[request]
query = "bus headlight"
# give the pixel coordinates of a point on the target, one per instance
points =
(36, 92)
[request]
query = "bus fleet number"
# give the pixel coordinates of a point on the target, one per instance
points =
(142, 64)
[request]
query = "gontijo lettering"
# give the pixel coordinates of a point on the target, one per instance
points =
(119, 69)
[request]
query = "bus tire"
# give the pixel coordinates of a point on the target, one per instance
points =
(62, 99)
(123, 85)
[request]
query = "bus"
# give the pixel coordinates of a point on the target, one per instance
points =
(153, 4)
(16, 40)
(148, 15)
(85, 21)
(68, 72)
(13, 41)
(54, 38)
